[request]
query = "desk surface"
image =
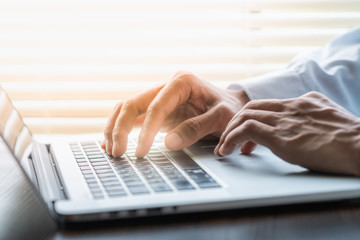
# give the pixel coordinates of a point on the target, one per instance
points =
(336, 220)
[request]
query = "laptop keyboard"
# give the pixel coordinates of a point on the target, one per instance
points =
(161, 171)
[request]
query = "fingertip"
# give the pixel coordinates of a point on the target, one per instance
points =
(140, 152)
(118, 149)
(173, 141)
(108, 146)
(248, 147)
(226, 149)
(216, 150)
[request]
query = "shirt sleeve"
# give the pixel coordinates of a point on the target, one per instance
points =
(333, 70)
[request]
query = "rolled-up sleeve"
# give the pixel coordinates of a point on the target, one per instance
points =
(333, 70)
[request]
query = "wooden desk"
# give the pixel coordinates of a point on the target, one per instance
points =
(336, 220)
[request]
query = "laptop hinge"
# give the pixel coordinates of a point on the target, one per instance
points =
(50, 185)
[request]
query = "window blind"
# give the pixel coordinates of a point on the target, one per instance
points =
(65, 64)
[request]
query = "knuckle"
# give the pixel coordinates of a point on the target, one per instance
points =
(129, 105)
(182, 77)
(248, 126)
(153, 109)
(303, 103)
(329, 110)
(313, 94)
(246, 114)
(182, 74)
(252, 104)
(193, 127)
(108, 132)
(117, 133)
(223, 111)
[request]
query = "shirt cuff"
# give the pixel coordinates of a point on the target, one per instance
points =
(276, 85)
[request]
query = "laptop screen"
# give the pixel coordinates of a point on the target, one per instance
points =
(12, 127)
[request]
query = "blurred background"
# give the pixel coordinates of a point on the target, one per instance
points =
(65, 64)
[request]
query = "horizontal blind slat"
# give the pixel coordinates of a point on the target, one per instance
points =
(169, 37)
(65, 109)
(194, 20)
(274, 5)
(65, 125)
(158, 55)
(79, 91)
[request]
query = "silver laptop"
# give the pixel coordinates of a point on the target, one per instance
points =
(79, 182)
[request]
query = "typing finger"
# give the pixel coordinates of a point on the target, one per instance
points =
(267, 117)
(107, 144)
(193, 129)
(174, 93)
(251, 130)
(131, 110)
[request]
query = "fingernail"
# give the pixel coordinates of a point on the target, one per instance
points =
(138, 152)
(224, 150)
(173, 141)
(108, 147)
(216, 149)
(115, 149)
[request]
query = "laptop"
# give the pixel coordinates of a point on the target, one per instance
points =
(79, 182)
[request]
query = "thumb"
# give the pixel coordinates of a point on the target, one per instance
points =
(191, 130)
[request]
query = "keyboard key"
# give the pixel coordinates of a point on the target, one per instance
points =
(87, 172)
(138, 189)
(160, 187)
(83, 164)
(111, 184)
(182, 184)
(209, 185)
(106, 175)
(81, 160)
(103, 170)
(98, 160)
(203, 179)
(114, 187)
(91, 180)
(94, 185)
(96, 156)
(85, 168)
(109, 180)
(132, 181)
(100, 164)
(89, 176)
(98, 196)
(78, 154)
(98, 168)
(117, 194)
(183, 160)
(96, 191)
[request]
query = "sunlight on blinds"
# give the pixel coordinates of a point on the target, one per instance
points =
(65, 64)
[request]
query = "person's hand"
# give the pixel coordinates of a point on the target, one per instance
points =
(187, 106)
(310, 131)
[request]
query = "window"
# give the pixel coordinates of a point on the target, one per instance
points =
(65, 64)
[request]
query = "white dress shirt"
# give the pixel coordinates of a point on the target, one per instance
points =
(333, 70)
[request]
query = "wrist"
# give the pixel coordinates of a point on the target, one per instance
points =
(240, 95)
